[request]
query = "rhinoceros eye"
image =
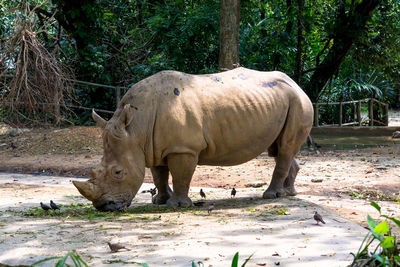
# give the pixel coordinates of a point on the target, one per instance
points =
(117, 173)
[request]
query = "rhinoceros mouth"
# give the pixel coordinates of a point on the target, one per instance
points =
(112, 206)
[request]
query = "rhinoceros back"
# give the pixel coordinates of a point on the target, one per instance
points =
(225, 118)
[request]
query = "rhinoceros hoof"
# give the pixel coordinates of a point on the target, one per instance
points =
(160, 199)
(183, 202)
(290, 191)
(270, 194)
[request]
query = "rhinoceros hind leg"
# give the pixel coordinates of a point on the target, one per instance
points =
(289, 181)
(182, 167)
(276, 187)
(160, 177)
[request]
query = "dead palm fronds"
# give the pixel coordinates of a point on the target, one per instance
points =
(34, 83)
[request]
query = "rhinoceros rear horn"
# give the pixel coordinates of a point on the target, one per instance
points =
(87, 189)
(125, 116)
(99, 120)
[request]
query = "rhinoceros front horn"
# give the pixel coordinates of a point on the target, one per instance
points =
(99, 120)
(87, 189)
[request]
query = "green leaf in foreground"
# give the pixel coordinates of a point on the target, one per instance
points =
(381, 228)
(388, 242)
(235, 260)
(376, 206)
(371, 223)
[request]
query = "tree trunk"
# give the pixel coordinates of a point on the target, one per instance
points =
(299, 53)
(229, 34)
(349, 24)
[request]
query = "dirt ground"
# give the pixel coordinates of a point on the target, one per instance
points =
(341, 182)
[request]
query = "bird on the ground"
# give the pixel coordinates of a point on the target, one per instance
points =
(13, 146)
(153, 191)
(44, 206)
(233, 192)
(318, 218)
(53, 205)
(210, 208)
(116, 247)
(202, 194)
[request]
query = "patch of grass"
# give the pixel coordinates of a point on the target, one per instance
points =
(274, 210)
(370, 194)
(88, 212)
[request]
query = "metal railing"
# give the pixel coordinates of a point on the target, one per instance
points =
(119, 92)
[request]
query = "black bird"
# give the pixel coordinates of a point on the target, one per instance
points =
(53, 205)
(318, 218)
(202, 194)
(44, 206)
(116, 247)
(233, 192)
(210, 208)
(153, 191)
(13, 146)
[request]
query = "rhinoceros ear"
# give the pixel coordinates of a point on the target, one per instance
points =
(125, 116)
(99, 120)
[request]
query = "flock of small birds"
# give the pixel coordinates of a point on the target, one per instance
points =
(53, 206)
(117, 247)
(317, 217)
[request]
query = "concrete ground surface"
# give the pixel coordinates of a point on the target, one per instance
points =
(276, 232)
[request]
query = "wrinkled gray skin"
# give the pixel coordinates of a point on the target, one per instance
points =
(171, 122)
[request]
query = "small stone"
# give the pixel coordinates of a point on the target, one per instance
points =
(318, 180)
(255, 184)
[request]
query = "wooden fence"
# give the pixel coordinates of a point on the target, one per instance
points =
(358, 120)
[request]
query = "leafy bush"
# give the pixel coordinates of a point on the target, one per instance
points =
(386, 252)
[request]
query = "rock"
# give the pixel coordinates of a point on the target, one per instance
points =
(396, 135)
(15, 131)
(317, 180)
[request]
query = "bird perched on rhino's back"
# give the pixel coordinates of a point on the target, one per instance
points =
(53, 205)
(318, 218)
(44, 206)
(116, 247)
(202, 194)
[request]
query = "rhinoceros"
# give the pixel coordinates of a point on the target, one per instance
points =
(171, 122)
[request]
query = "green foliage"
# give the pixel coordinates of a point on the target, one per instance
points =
(121, 42)
(387, 251)
(235, 261)
(63, 260)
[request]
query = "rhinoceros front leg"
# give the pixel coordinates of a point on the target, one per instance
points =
(182, 167)
(160, 177)
(281, 172)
